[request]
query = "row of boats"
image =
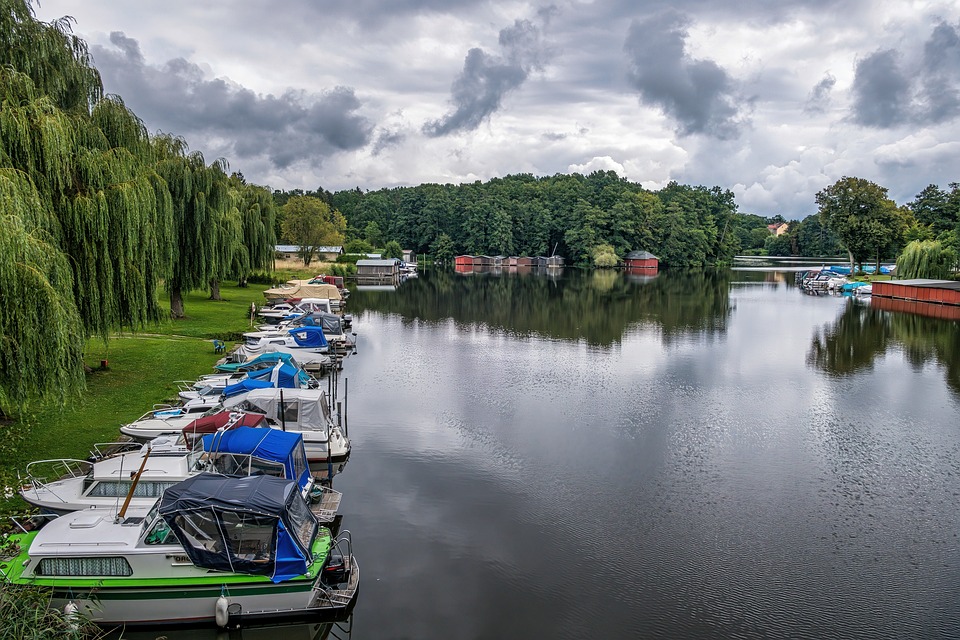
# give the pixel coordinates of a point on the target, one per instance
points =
(834, 280)
(216, 509)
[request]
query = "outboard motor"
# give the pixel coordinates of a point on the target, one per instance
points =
(334, 571)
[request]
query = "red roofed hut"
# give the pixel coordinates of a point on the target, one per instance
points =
(645, 260)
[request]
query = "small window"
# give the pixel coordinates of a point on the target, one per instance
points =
(110, 566)
(161, 534)
(145, 489)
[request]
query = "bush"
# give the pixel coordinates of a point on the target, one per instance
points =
(25, 615)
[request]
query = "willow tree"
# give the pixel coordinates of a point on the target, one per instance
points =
(927, 259)
(257, 217)
(82, 166)
(201, 200)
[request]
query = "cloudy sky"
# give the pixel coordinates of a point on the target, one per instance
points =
(773, 99)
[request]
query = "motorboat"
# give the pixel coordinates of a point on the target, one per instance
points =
(306, 411)
(212, 549)
(159, 465)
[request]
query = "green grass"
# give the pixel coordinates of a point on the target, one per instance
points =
(141, 371)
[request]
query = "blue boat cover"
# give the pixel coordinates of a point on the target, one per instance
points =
(309, 336)
(287, 376)
(274, 445)
(245, 385)
(256, 525)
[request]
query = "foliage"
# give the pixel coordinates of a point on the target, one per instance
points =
(604, 256)
(358, 247)
(25, 614)
(866, 222)
(309, 222)
(392, 250)
(563, 214)
(443, 250)
(926, 259)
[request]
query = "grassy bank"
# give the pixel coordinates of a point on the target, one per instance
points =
(141, 371)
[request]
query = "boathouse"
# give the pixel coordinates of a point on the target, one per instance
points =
(555, 261)
(462, 261)
(920, 290)
(378, 271)
(641, 260)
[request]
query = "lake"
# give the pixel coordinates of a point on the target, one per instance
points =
(696, 455)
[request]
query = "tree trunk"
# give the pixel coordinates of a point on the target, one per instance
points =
(215, 289)
(852, 265)
(176, 303)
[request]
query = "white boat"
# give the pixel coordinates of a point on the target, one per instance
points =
(305, 411)
(243, 450)
(211, 549)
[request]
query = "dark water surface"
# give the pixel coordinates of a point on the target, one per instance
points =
(693, 456)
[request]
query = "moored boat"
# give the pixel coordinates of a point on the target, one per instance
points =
(213, 547)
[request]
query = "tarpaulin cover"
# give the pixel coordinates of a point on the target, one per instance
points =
(309, 337)
(209, 424)
(286, 375)
(245, 385)
(268, 444)
(263, 360)
(243, 525)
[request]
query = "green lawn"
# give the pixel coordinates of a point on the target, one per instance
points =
(141, 371)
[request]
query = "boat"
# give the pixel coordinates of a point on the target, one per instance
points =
(240, 450)
(307, 344)
(305, 411)
(164, 420)
(306, 289)
(212, 549)
(331, 324)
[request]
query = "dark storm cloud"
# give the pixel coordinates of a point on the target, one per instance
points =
(820, 95)
(479, 89)
(941, 73)
(698, 94)
(880, 91)
(177, 98)
(888, 93)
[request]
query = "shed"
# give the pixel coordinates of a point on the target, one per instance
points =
(641, 260)
(921, 290)
(555, 261)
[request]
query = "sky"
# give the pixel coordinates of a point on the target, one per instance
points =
(772, 99)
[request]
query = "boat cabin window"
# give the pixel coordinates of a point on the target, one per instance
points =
(109, 566)
(288, 412)
(113, 489)
(160, 533)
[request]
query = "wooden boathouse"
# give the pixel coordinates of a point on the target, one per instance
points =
(637, 260)
(921, 290)
(378, 271)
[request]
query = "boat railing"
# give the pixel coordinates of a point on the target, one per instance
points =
(102, 450)
(40, 473)
(326, 595)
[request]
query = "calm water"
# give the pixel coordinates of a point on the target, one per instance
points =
(693, 456)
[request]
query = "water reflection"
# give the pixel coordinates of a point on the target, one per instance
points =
(867, 330)
(328, 630)
(597, 307)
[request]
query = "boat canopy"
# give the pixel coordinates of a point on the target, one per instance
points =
(261, 361)
(257, 525)
(245, 385)
(296, 409)
(283, 375)
(309, 337)
(221, 420)
(285, 447)
(329, 322)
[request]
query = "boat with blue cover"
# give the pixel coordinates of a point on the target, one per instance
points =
(211, 549)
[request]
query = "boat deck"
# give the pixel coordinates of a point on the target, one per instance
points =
(325, 504)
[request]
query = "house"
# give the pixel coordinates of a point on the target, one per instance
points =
(641, 260)
(778, 228)
(329, 254)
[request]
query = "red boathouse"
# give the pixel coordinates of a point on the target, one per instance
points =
(636, 260)
(920, 290)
